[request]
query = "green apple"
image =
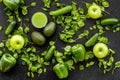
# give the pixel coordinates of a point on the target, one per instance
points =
(100, 50)
(94, 11)
(17, 41)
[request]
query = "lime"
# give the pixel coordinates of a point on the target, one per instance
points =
(39, 20)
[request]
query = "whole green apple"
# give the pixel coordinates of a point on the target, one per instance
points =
(17, 41)
(94, 11)
(100, 50)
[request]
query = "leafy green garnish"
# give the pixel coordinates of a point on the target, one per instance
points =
(1, 45)
(47, 4)
(81, 67)
(84, 34)
(69, 64)
(33, 4)
(1, 52)
(24, 10)
(117, 65)
(1, 27)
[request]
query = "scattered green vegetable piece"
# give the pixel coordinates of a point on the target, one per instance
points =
(40, 71)
(28, 74)
(100, 63)
(19, 30)
(103, 39)
(85, 33)
(24, 10)
(110, 62)
(47, 3)
(59, 56)
(44, 53)
(1, 45)
(67, 50)
(90, 64)
(81, 67)
(1, 53)
(105, 4)
(33, 49)
(69, 64)
(15, 55)
(112, 51)
(44, 70)
(32, 74)
(89, 55)
(51, 43)
(53, 61)
(46, 63)
(117, 65)
(102, 3)
(33, 4)
(1, 27)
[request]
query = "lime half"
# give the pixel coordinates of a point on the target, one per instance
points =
(39, 20)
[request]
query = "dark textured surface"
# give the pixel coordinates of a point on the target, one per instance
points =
(92, 73)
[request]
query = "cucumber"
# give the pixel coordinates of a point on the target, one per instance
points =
(10, 28)
(109, 21)
(49, 30)
(38, 38)
(61, 11)
(90, 42)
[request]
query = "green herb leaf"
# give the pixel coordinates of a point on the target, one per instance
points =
(81, 67)
(24, 10)
(33, 4)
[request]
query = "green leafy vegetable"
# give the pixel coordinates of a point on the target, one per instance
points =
(69, 64)
(33, 4)
(47, 4)
(1, 27)
(117, 65)
(81, 67)
(24, 10)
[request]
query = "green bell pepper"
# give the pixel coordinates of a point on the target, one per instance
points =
(78, 52)
(7, 62)
(61, 70)
(12, 4)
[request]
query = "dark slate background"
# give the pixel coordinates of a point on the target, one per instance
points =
(92, 73)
